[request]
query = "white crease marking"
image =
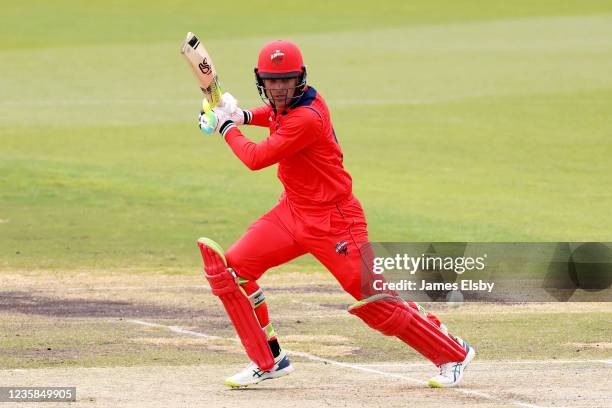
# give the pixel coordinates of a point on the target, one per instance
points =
(477, 363)
(313, 357)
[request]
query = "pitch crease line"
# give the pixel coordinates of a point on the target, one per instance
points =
(313, 357)
(477, 363)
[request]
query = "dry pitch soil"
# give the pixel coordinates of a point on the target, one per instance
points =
(535, 383)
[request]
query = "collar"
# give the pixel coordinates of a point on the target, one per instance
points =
(306, 99)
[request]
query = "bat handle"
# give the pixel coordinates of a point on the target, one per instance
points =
(212, 120)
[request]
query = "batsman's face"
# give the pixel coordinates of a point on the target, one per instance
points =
(280, 91)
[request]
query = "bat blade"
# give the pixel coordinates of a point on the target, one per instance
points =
(203, 69)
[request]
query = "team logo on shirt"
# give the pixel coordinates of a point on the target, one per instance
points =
(277, 56)
(342, 248)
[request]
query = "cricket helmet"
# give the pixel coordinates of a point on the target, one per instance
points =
(280, 59)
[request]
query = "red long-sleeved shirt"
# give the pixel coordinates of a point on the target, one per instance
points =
(303, 143)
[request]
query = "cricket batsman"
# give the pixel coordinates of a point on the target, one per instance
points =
(317, 213)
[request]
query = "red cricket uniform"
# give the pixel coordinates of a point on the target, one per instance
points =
(317, 213)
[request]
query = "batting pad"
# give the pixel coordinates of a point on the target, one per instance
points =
(224, 284)
(392, 316)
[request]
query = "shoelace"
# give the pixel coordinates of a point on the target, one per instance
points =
(447, 369)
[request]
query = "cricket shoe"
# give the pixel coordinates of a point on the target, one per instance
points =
(451, 373)
(253, 375)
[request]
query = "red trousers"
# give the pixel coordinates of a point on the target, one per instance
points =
(336, 235)
(333, 234)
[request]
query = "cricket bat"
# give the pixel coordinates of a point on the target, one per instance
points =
(204, 70)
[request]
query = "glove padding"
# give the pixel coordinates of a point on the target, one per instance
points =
(223, 117)
(229, 105)
(215, 120)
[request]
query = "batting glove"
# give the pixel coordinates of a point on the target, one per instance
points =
(215, 120)
(229, 105)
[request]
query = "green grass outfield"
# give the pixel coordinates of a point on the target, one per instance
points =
(486, 121)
